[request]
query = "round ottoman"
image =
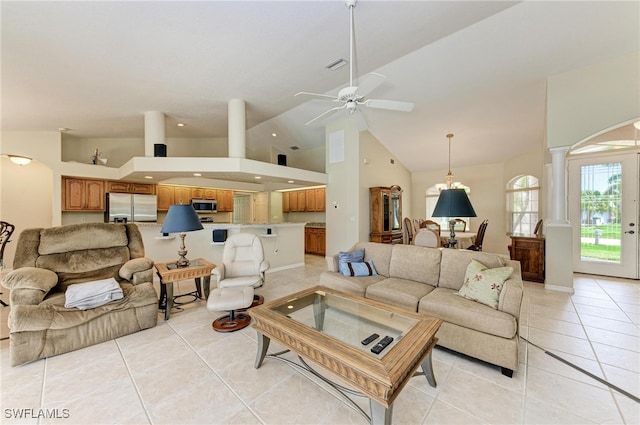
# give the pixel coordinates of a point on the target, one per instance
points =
(230, 299)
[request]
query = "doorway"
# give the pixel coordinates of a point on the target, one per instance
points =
(603, 195)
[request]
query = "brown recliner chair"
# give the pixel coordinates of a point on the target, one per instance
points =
(47, 261)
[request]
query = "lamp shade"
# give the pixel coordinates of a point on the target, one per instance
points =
(453, 203)
(181, 218)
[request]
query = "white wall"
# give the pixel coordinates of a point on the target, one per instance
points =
(379, 171)
(589, 100)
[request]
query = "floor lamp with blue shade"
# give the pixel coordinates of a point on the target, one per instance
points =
(453, 203)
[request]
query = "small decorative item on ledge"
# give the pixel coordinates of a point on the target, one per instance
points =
(96, 160)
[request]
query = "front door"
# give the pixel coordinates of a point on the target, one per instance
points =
(603, 195)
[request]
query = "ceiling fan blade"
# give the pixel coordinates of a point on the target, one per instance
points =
(370, 83)
(316, 95)
(325, 114)
(360, 121)
(393, 105)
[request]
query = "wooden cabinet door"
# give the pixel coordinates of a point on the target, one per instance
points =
(225, 200)
(209, 194)
(293, 201)
(182, 195)
(285, 202)
(94, 195)
(117, 187)
(165, 197)
(322, 241)
(197, 193)
(143, 188)
(309, 200)
(73, 194)
(320, 199)
(302, 201)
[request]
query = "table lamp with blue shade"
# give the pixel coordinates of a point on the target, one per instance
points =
(453, 203)
(181, 219)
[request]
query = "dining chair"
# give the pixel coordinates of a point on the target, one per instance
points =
(477, 245)
(408, 231)
(430, 224)
(427, 237)
(538, 229)
(461, 225)
(6, 230)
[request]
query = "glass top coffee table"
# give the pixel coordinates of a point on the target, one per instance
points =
(328, 328)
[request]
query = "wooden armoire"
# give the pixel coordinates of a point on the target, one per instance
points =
(385, 214)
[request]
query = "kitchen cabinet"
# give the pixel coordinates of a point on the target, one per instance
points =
(83, 194)
(304, 200)
(209, 194)
(165, 197)
(225, 200)
(315, 240)
(385, 214)
(320, 199)
(113, 186)
(293, 201)
(182, 195)
(530, 251)
(197, 193)
(285, 202)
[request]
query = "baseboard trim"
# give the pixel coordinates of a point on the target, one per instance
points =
(287, 267)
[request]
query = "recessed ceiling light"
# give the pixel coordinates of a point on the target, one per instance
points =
(180, 124)
(290, 181)
(197, 174)
(257, 177)
(148, 177)
(63, 129)
(274, 134)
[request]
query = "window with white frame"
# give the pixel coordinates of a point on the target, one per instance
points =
(523, 193)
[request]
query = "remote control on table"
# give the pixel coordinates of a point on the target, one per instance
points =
(368, 340)
(377, 349)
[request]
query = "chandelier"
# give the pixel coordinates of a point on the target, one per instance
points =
(449, 182)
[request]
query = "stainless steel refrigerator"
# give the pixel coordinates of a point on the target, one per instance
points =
(127, 208)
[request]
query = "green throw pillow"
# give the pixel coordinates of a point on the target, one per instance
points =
(483, 284)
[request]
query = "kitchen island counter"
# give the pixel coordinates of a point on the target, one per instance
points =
(283, 246)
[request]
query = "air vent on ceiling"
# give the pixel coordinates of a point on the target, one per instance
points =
(337, 64)
(294, 148)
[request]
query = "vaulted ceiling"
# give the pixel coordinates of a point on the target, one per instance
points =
(477, 69)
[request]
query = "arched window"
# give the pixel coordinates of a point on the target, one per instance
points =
(523, 193)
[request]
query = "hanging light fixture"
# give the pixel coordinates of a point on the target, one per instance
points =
(19, 159)
(449, 179)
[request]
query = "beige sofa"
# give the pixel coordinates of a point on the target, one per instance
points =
(47, 261)
(426, 280)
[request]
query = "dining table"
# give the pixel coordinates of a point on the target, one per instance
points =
(465, 239)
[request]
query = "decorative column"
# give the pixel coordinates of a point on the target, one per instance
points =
(237, 129)
(559, 185)
(153, 131)
(558, 231)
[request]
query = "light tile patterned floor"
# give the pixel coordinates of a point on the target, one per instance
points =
(181, 372)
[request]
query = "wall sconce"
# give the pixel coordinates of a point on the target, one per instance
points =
(19, 159)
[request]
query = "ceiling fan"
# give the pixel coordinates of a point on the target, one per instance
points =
(352, 96)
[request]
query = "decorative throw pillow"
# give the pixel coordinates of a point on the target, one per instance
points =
(364, 268)
(356, 256)
(482, 284)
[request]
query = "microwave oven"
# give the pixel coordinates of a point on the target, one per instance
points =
(205, 205)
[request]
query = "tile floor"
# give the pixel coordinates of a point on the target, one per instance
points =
(181, 372)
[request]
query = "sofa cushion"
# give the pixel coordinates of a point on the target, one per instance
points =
(380, 253)
(355, 256)
(362, 268)
(417, 263)
(402, 293)
(447, 305)
(483, 284)
(79, 237)
(350, 285)
(454, 265)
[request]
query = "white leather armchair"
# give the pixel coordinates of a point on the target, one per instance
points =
(243, 262)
